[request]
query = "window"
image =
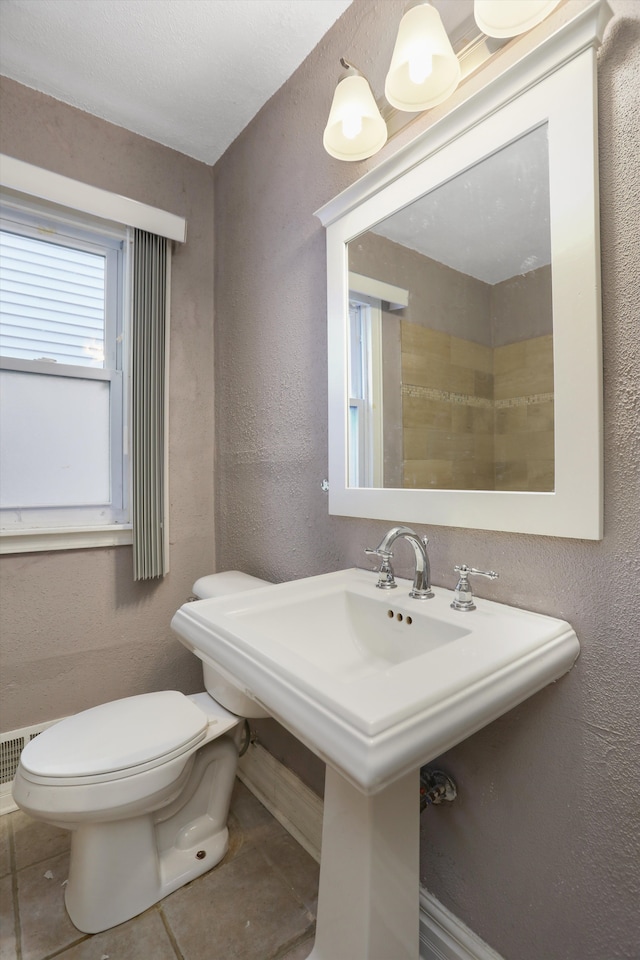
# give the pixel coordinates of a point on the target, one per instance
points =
(86, 352)
(63, 368)
(365, 391)
(368, 298)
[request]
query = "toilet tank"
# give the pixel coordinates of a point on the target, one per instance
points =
(218, 684)
(221, 584)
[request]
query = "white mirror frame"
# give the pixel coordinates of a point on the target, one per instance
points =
(556, 83)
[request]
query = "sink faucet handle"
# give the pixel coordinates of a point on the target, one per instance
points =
(463, 595)
(386, 579)
(465, 570)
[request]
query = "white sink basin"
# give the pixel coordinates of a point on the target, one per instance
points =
(336, 626)
(374, 682)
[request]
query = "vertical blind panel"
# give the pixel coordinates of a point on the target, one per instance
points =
(54, 441)
(52, 301)
(148, 403)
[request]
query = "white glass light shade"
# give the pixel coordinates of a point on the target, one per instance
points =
(355, 129)
(508, 18)
(422, 43)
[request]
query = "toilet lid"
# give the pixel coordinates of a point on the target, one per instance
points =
(115, 736)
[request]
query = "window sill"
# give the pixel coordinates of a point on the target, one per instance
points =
(74, 538)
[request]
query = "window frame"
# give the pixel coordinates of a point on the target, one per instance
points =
(73, 527)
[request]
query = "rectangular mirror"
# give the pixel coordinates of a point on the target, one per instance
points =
(464, 314)
(465, 395)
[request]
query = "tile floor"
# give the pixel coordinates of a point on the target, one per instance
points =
(259, 903)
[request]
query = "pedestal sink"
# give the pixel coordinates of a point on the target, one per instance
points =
(376, 684)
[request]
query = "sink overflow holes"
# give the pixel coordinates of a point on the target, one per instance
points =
(399, 617)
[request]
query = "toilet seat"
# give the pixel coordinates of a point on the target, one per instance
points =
(115, 740)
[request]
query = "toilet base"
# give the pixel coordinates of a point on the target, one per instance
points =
(119, 869)
(123, 886)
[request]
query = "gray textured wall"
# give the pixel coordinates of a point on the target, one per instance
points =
(440, 297)
(74, 629)
(539, 855)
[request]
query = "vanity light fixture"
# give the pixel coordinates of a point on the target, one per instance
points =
(424, 69)
(508, 18)
(355, 129)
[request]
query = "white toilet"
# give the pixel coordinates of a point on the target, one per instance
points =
(144, 784)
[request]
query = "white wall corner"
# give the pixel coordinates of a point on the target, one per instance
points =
(299, 810)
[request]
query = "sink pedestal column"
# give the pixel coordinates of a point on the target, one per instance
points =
(368, 902)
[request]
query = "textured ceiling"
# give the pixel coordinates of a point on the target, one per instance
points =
(491, 221)
(190, 74)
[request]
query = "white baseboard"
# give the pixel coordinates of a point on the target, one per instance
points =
(444, 937)
(291, 802)
(299, 810)
(7, 803)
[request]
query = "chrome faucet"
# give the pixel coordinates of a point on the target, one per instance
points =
(463, 595)
(421, 589)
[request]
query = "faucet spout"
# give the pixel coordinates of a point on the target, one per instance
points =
(421, 589)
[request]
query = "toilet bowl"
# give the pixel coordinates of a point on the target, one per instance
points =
(143, 784)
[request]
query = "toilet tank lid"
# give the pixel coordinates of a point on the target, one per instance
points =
(115, 736)
(222, 584)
